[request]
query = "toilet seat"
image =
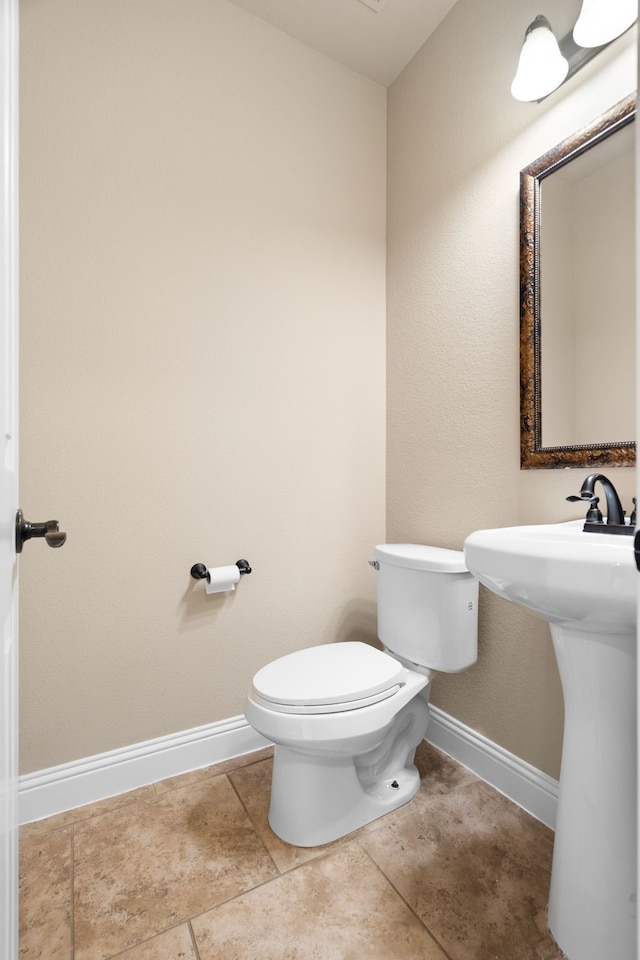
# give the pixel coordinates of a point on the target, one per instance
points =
(327, 679)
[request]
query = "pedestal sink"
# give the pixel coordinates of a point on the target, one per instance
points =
(584, 585)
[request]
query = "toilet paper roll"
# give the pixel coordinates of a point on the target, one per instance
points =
(221, 579)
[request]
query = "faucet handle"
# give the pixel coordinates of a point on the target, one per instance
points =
(594, 514)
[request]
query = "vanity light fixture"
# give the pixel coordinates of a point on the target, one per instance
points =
(546, 63)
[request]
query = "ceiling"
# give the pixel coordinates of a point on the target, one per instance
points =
(376, 38)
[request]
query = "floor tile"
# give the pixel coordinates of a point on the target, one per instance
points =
(337, 907)
(175, 944)
(147, 867)
(476, 871)
(45, 896)
(439, 774)
(458, 873)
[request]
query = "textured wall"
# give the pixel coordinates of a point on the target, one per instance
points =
(202, 338)
(203, 282)
(457, 141)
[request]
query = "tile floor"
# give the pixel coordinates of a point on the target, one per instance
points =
(188, 869)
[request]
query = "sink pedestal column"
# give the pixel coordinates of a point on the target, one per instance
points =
(592, 902)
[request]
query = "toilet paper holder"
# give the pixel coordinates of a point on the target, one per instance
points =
(199, 571)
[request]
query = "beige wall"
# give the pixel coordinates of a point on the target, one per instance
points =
(203, 282)
(457, 141)
(203, 353)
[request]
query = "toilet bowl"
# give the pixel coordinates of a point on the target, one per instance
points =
(346, 718)
(345, 726)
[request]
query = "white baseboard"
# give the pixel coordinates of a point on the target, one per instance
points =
(75, 784)
(527, 786)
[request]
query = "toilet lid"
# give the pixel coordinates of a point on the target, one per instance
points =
(333, 673)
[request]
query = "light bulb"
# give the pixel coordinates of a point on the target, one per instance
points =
(541, 68)
(601, 21)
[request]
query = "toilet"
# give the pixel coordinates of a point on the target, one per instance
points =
(346, 718)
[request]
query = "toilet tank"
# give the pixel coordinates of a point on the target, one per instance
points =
(427, 605)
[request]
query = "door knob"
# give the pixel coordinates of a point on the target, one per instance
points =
(50, 530)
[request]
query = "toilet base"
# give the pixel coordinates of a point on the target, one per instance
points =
(315, 800)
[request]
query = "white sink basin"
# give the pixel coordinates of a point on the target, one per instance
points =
(588, 579)
(585, 585)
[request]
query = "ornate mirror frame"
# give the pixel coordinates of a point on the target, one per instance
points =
(532, 453)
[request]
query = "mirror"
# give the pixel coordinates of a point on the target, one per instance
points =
(577, 298)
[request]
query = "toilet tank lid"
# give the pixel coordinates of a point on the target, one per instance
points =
(417, 556)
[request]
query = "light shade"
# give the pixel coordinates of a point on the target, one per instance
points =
(601, 21)
(541, 67)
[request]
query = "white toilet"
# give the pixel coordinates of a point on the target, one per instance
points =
(346, 718)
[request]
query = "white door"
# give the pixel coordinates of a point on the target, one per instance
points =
(8, 477)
